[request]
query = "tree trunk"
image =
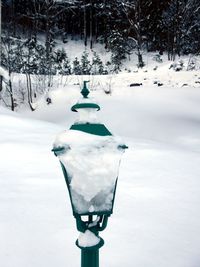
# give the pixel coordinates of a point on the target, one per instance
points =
(48, 50)
(85, 24)
(91, 24)
(96, 28)
(13, 18)
(35, 21)
(11, 93)
(29, 91)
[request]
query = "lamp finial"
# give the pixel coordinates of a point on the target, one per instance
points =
(85, 92)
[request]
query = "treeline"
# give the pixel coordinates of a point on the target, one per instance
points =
(121, 25)
(30, 29)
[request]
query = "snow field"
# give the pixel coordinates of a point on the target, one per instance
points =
(156, 215)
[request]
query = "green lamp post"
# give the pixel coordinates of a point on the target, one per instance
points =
(90, 156)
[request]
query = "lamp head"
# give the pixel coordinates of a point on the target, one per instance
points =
(90, 157)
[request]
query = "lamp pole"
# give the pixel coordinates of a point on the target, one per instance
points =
(91, 180)
(90, 255)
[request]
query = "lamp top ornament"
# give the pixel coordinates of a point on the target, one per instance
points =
(85, 102)
(85, 92)
(88, 121)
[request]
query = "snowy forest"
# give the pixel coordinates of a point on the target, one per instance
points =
(35, 36)
(171, 26)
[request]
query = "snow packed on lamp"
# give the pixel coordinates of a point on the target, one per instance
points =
(91, 163)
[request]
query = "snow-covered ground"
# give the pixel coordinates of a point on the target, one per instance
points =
(156, 215)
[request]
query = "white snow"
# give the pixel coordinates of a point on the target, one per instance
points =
(87, 115)
(156, 215)
(88, 239)
(92, 163)
(4, 73)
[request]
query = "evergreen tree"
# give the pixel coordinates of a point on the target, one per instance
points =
(97, 64)
(66, 70)
(118, 46)
(85, 64)
(76, 67)
(62, 63)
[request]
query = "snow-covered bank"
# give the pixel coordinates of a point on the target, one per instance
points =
(164, 114)
(154, 74)
(156, 215)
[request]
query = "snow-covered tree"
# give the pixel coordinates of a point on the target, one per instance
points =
(182, 22)
(12, 61)
(85, 64)
(62, 63)
(97, 65)
(76, 66)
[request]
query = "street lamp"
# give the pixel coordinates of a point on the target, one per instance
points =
(90, 156)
